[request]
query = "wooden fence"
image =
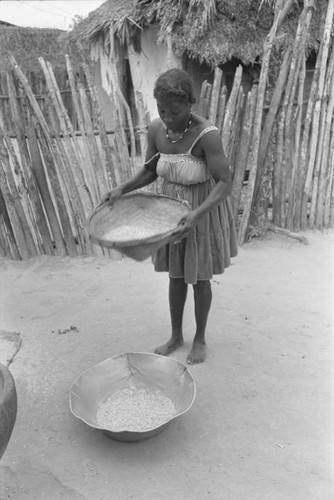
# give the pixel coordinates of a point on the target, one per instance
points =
(55, 167)
(52, 175)
(289, 186)
(38, 87)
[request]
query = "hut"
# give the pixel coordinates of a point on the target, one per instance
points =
(132, 41)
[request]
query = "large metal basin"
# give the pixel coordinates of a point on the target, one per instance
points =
(139, 369)
(8, 407)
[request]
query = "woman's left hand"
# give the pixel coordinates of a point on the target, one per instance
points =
(187, 222)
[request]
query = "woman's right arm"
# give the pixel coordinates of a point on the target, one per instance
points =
(143, 177)
(146, 175)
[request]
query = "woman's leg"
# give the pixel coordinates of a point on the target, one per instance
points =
(177, 298)
(202, 299)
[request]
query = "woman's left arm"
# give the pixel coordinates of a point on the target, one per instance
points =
(218, 165)
(219, 168)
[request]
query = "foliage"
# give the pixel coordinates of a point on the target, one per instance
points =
(28, 44)
(75, 21)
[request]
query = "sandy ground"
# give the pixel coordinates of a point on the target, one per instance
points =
(259, 428)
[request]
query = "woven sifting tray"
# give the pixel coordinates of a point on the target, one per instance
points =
(137, 224)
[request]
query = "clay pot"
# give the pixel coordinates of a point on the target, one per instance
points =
(8, 407)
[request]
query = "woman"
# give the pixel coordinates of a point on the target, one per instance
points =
(188, 154)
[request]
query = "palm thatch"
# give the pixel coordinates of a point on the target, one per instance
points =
(120, 15)
(211, 31)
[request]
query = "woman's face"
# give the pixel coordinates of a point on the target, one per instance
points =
(174, 112)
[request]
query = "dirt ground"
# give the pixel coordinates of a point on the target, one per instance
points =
(259, 428)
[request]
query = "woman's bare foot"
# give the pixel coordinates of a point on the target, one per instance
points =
(197, 353)
(170, 346)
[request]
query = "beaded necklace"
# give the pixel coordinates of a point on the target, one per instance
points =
(183, 133)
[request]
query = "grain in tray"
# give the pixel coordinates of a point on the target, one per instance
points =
(127, 232)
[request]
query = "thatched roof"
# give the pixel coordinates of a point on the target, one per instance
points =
(213, 31)
(28, 44)
(118, 14)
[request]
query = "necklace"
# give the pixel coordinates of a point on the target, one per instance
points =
(183, 133)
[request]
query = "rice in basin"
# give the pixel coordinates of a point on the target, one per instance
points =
(135, 409)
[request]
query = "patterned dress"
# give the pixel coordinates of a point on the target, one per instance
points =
(209, 246)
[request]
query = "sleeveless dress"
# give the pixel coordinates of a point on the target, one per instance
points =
(209, 246)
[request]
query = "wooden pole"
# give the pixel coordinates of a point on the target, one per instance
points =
(331, 206)
(234, 142)
(274, 106)
(25, 179)
(70, 187)
(87, 147)
(311, 176)
(54, 178)
(5, 250)
(122, 147)
(204, 99)
(215, 94)
(101, 126)
(122, 100)
(59, 153)
(291, 154)
(265, 139)
(282, 10)
(38, 169)
(231, 109)
(329, 197)
(277, 173)
(221, 109)
(100, 174)
(300, 206)
(67, 160)
(6, 231)
(26, 225)
(17, 215)
(32, 100)
(243, 151)
(297, 149)
(72, 147)
(318, 197)
(286, 232)
(36, 223)
(285, 129)
(142, 124)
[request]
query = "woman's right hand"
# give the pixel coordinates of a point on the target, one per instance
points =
(111, 197)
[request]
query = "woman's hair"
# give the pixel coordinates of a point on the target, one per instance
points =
(174, 83)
